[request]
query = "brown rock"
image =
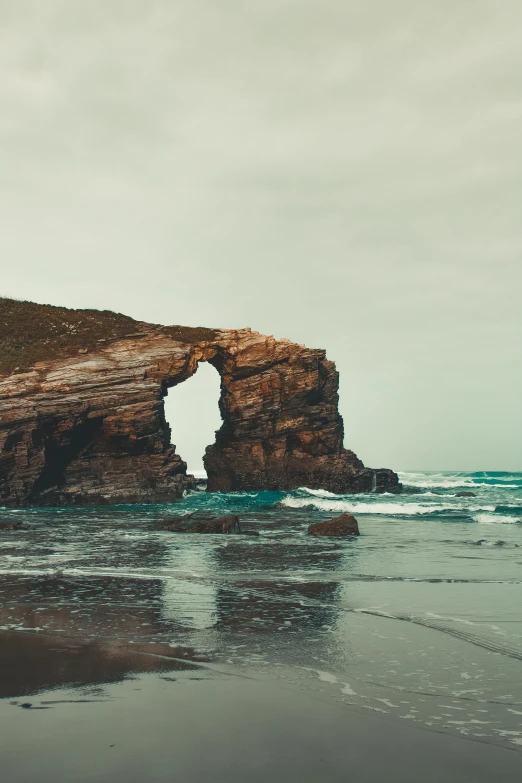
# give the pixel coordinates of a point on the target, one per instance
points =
(90, 428)
(10, 525)
(465, 495)
(345, 525)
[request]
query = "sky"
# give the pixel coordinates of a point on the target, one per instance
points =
(344, 173)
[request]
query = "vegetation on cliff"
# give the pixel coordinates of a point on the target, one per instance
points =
(88, 425)
(31, 332)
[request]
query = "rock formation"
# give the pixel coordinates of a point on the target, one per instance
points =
(82, 415)
(344, 525)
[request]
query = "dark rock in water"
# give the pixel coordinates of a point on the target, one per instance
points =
(249, 533)
(167, 522)
(465, 495)
(194, 524)
(298, 509)
(345, 525)
(89, 428)
(412, 490)
(227, 524)
(10, 525)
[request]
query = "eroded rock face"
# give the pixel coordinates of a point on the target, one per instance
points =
(90, 427)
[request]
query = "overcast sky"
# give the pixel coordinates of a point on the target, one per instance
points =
(344, 173)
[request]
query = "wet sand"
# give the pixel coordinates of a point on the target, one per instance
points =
(160, 715)
(131, 653)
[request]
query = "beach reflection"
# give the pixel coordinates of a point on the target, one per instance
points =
(181, 594)
(32, 662)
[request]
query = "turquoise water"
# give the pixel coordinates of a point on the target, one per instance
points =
(418, 619)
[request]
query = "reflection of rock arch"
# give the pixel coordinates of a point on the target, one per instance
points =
(262, 606)
(91, 427)
(280, 556)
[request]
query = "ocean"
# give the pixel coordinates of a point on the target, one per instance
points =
(418, 620)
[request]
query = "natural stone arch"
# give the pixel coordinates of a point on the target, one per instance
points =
(91, 427)
(192, 413)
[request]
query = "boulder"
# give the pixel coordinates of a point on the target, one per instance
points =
(345, 525)
(194, 524)
(465, 495)
(10, 525)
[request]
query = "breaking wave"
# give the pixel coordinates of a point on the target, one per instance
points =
(497, 519)
(436, 480)
(389, 508)
(461, 480)
(494, 503)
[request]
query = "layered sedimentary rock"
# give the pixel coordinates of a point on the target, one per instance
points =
(86, 424)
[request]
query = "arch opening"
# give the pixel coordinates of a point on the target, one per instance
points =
(192, 413)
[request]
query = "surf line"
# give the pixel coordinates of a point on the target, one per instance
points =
(486, 644)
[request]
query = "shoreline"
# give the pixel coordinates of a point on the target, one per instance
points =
(195, 721)
(128, 652)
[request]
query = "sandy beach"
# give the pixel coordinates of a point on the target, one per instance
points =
(130, 652)
(195, 721)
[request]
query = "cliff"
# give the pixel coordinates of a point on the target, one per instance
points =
(82, 414)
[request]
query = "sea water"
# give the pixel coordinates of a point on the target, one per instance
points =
(418, 619)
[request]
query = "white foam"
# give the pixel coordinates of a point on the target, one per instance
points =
(496, 519)
(390, 508)
(449, 481)
(495, 486)
(433, 480)
(327, 677)
(171, 573)
(320, 493)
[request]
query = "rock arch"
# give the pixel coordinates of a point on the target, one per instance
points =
(192, 412)
(88, 426)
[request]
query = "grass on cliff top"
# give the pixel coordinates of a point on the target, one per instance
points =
(31, 332)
